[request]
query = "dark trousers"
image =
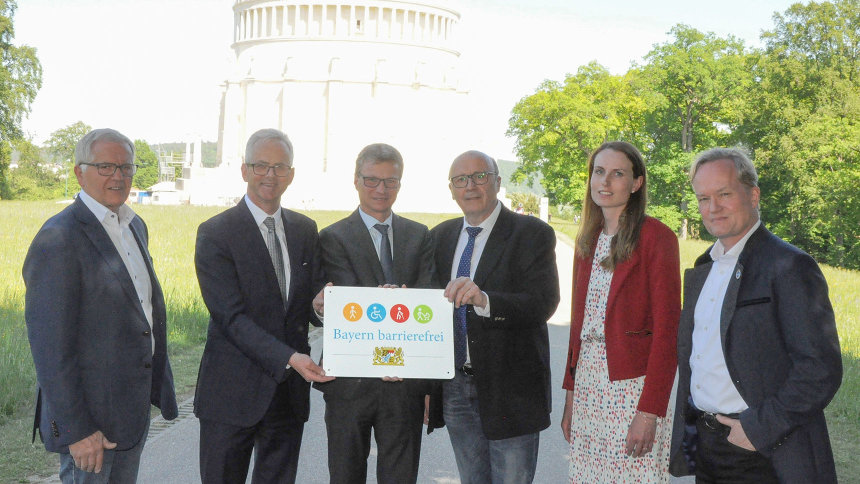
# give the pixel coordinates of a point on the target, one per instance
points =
(225, 450)
(720, 461)
(396, 417)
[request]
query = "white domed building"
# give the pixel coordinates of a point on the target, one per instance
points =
(336, 76)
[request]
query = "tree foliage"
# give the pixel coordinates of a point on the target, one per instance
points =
(794, 105)
(147, 160)
(20, 80)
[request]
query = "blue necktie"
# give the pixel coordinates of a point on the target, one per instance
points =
(463, 269)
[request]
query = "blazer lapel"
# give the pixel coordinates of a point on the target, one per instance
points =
(157, 294)
(401, 242)
(102, 242)
(294, 251)
(622, 271)
(445, 251)
(495, 247)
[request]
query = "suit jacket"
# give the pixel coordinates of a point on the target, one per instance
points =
(251, 334)
(350, 259)
(642, 313)
(89, 335)
(778, 335)
(509, 350)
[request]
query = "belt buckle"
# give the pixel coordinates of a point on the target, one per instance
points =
(710, 420)
(467, 370)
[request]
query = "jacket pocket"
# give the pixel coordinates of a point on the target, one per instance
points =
(750, 302)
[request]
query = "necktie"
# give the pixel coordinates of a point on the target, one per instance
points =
(277, 256)
(385, 254)
(463, 269)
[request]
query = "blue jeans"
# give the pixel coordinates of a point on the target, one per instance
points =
(118, 466)
(479, 460)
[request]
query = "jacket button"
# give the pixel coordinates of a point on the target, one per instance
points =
(147, 365)
(146, 333)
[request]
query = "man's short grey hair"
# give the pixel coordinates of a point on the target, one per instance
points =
(488, 160)
(84, 148)
(744, 167)
(264, 135)
(378, 153)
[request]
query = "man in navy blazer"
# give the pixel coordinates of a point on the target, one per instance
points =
(507, 282)
(758, 352)
(96, 322)
(259, 268)
(376, 247)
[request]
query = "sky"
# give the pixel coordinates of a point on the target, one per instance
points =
(152, 68)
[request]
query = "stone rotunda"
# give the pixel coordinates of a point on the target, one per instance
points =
(336, 76)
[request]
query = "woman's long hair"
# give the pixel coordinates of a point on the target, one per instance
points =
(630, 222)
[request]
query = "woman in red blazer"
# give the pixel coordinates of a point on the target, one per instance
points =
(626, 306)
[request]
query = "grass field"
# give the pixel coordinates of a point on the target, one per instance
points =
(172, 233)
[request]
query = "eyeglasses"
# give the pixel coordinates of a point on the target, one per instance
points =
(478, 178)
(373, 182)
(262, 169)
(108, 169)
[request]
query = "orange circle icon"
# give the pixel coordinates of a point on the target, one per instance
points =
(352, 312)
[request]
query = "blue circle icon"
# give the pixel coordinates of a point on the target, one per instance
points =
(376, 312)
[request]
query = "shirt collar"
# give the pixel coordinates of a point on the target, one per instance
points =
(370, 221)
(126, 214)
(260, 215)
(718, 251)
(488, 223)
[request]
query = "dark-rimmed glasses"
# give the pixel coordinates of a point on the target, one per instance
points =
(262, 169)
(478, 178)
(373, 182)
(108, 169)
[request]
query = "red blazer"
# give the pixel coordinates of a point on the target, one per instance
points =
(642, 314)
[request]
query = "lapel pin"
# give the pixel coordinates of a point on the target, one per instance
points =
(738, 274)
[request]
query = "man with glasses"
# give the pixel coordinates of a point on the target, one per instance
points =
(499, 270)
(259, 268)
(96, 322)
(370, 248)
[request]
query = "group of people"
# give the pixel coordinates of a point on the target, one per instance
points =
(755, 344)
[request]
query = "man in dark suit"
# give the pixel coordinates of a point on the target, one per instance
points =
(259, 268)
(758, 353)
(96, 322)
(370, 248)
(504, 286)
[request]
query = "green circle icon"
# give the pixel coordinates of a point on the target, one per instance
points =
(422, 313)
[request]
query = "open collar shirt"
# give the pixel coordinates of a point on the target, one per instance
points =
(711, 386)
(117, 227)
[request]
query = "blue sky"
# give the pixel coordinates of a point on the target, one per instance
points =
(151, 68)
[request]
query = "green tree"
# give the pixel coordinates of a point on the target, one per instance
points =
(20, 80)
(559, 125)
(34, 179)
(694, 85)
(147, 171)
(61, 146)
(804, 125)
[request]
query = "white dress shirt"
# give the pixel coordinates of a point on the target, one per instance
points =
(260, 218)
(477, 250)
(711, 386)
(375, 235)
(117, 228)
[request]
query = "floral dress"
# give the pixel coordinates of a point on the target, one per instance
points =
(603, 409)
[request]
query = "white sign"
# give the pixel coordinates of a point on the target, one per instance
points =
(376, 332)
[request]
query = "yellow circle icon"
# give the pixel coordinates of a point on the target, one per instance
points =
(352, 312)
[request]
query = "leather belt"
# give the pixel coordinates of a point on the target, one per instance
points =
(709, 419)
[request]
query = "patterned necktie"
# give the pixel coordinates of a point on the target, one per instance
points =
(463, 269)
(277, 256)
(385, 254)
